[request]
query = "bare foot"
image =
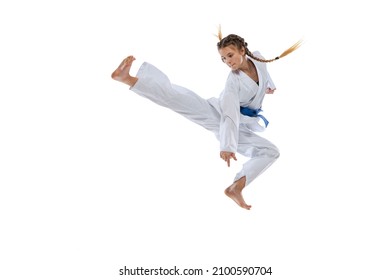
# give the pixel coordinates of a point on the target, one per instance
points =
(121, 74)
(235, 193)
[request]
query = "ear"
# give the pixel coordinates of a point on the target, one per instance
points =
(242, 51)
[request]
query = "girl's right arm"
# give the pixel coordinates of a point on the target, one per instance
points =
(230, 116)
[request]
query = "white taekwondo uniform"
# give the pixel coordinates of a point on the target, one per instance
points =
(222, 116)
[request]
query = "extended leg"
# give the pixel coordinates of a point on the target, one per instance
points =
(154, 85)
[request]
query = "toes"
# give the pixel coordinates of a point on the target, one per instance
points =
(126, 62)
(129, 59)
(246, 206)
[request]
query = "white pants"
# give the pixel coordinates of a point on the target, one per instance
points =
(155, 85)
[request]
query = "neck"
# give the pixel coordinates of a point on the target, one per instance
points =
(250, 70)
(249, 67)
(246, 66)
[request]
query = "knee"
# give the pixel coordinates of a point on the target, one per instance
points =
(270, 152)
(274, 153)
(277, 154)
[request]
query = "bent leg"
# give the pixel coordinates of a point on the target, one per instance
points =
(262, 154)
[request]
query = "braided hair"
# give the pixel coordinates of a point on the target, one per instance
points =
(240, 43)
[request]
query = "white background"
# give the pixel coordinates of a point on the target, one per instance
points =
(94, 177)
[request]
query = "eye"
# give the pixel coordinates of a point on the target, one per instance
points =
(223, 59)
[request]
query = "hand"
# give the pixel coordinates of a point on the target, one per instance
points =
(270, 91)
(226, 156)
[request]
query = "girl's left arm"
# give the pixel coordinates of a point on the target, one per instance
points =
(270, 86)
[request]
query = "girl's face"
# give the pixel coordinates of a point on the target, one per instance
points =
(232, 56)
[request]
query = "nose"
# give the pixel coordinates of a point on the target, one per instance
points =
(228, 62)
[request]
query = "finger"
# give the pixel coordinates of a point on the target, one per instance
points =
(234, 157)
(228, 162)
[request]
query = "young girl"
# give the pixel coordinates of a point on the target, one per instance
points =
(233, 117)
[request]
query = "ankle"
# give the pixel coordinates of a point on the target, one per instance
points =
(130, 81)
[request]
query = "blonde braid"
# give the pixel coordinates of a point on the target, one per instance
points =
(219, 35)
(258, 58)
(239, 42)
(286, 52)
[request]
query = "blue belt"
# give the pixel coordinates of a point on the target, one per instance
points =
(253, 113)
